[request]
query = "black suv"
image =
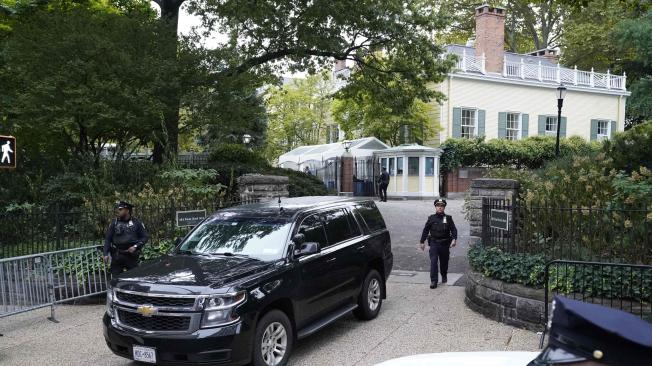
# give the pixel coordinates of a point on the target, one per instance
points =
(247, 282)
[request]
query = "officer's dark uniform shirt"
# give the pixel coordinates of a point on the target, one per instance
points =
(124, 234)
(440, 227)
(384, 178)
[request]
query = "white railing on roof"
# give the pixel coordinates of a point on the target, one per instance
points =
(561, 75)
(467, 63)
(543, 73)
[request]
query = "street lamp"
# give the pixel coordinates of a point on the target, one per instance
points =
(347, 145)
(246, 139)
(561, 93)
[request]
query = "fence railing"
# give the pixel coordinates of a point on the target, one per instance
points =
(600, 234)
(44, 280)
(26, 233)
(626, 287)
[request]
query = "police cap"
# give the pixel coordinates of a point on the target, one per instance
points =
(581, 331)
(440, 201)
(123, 204)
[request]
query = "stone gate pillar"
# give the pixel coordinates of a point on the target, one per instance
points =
(347, 174)
(488, 188)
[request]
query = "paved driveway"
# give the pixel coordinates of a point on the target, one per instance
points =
(414, 319)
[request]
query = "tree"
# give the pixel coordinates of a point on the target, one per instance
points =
(78, 78)
(388, 106)
(303, 36)
(298, 113)
(634, 38)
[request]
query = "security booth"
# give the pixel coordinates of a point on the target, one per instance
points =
(413, 170)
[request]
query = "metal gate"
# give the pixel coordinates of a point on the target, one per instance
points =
(37, 281)
(627, 287)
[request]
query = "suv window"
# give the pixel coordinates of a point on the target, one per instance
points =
(371, 216)
(338, 227)
(313, 229)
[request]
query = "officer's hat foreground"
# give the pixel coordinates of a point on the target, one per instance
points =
(440, 202)
(581, 331)
(123, 204)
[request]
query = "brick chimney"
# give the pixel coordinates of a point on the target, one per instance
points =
(490, 36)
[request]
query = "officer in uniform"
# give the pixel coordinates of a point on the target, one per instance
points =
(125, 237)
(383, 182)
(583, 334)
(441, 233)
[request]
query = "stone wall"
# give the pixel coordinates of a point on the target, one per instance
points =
(487, 188)
(509, 303)
(263, 187)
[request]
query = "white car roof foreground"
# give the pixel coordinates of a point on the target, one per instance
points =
(465, 359)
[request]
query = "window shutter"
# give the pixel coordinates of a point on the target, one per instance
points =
(594, 129)
(525, 125)
(401, 134)
(542, 125)
(502, 125)
(613, 129)
(457, 122)
(481, 116)
(562, 126)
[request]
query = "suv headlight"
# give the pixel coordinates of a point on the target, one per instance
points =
(109, 302)
(220, 309)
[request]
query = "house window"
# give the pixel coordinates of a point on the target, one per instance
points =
(513, 126)
(399, 166)
(603, 129)
(391, 166)
(430, 166)
(469, 121)
(332, 133)
(551, 125)
(413, 166)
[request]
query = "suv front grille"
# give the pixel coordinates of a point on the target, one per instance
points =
(156, 301)
(154, 323)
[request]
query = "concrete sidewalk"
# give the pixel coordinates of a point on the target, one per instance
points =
(414, 319)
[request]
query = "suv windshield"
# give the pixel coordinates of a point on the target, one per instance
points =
(258, 238)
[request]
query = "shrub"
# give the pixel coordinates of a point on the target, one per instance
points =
(631, 149)
(591, 281)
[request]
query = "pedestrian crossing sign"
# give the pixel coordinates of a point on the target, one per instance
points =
(7, 152)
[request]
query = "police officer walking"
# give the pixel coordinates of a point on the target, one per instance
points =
(125, 237)
(441, 233)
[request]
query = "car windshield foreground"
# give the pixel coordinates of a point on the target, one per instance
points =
(250, 281)
(257, 238)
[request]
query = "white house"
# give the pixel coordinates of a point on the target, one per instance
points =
(498, 94)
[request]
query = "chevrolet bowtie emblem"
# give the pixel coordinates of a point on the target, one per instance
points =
(147, 310)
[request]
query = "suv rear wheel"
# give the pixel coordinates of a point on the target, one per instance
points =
(274, 340)
(371, 297)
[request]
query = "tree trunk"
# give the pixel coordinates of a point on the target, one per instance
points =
(166, 142)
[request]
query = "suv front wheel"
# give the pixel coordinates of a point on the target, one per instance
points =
(274, 340)
(371, 297)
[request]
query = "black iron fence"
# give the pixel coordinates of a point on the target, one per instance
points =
(593, 234)
(39, 231)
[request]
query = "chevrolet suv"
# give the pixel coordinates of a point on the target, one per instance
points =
(248, 282)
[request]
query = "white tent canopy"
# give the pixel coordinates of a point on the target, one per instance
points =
(315, 154)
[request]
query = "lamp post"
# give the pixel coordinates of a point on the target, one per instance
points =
(246, 139)
(561, 93)
(347, 145)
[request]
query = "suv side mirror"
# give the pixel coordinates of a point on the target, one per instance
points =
(298, 240)
(307, 249)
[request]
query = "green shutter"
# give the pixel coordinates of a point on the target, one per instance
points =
(401, 135)
(481, 117)
(542, 125)
(594, 129)
(502, 125)
(457, 122)
(613, 129)
(525, 125)
(562, 132)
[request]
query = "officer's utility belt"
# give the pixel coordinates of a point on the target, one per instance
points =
(115, 249)
(443, 240)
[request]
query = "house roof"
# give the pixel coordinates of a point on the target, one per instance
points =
(363, 147)
(511, 57)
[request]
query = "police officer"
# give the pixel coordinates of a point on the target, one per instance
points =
(383, 182)
(583, 334)
(125, 238)
(441, 233)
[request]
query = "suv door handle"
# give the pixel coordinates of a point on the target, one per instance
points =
(331, 260)
(361, 247)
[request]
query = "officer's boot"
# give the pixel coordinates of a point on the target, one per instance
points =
(444, 279)
(433, 284)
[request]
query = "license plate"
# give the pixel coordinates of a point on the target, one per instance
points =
(144, 354)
